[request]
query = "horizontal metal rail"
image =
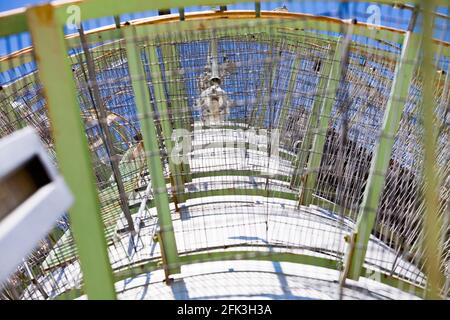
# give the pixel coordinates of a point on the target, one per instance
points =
(14, 21)
(209, 256)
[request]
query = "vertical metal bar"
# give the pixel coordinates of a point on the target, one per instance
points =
(163, 110)
(258, 9)
(180, 110)
(151, 145)
(34, 280)
(181, 14)
(72, 150)
(303, 152)
(163, 257)
(315, 157)
(432, 250)
(213, 56)
(403, 77)
(106, 134)
(117, 21)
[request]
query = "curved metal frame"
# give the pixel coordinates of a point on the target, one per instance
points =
(16, 22)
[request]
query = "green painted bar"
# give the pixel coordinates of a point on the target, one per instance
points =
(303, 153)
(151, 144)
(315, 157)
(55, 67)
(230, 192)
(163, 110)
(115, 35)
(222, 173)
(401, 284)
(105, 35)
(403, 78)
(243, 173)
(180, 109)
(242, 192)
(232, 26)
(14, 21)
(261, 256)
(72, 151)
(302, 22)
(432, 221)
(93, 9)
(201, 257)
(258, 9)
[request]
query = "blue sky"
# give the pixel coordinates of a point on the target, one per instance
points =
(389, 16)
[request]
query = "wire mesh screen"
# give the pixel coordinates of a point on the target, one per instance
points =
(265, 133)
(22, 104)
(401, 210)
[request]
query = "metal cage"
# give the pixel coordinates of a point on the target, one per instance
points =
(236, 136)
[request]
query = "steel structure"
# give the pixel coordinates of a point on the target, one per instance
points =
(314, 142)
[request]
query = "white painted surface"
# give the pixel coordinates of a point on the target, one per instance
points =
(28, 223)
(252, 280)
(242, 223)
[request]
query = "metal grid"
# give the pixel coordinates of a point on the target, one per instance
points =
(235, 192)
